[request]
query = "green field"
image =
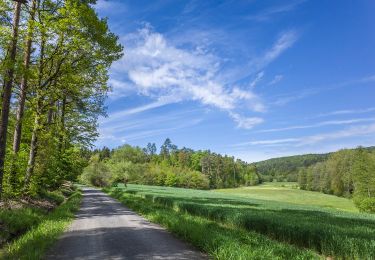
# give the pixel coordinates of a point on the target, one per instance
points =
(289, 192)
(234, 224)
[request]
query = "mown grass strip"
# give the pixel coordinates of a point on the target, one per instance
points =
(34, 243)
(219, 241)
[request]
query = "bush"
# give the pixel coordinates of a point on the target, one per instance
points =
(97, 174)
(365, 204)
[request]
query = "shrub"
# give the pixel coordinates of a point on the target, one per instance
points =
(365, 204)
(97, 174)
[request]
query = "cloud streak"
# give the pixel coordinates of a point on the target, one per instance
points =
(325, 123)
(354, 131)
(162, 71)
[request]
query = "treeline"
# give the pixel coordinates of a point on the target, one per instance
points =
(347, 173)
(169, 167)
(287, 168)
(54, 61)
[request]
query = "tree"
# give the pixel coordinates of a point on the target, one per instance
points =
(24, 79)
(7, 89)
(364, 180)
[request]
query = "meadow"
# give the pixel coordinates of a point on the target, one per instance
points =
(257, 223)
(290, 193)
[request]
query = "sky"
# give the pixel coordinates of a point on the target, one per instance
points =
(252, 79)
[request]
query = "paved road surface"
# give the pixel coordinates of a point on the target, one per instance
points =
(105, 229)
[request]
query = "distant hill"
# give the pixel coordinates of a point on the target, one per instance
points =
(286, 168)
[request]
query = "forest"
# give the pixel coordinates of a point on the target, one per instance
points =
(54, 62)
(287, 168)
(347, 173)
(169, 167)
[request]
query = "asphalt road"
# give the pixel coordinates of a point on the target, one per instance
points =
(105, 229)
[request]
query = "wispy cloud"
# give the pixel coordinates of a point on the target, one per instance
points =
(350, 132)
(246, 122)
(276, 80)
(347, 112)
(269, 142)
(353, 131)
(258, 78)
(126, 135)
(319, 124)
(268, 13)
(135, 110)
(287, 98)
(160, 70)
(110, 6)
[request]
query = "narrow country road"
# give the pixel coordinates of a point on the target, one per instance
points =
(105, 229)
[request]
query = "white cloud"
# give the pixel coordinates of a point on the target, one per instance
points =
(276, 80)
(266, 15)
(348, 111)
(324, 123)
(354, 131)
(258, 78)
(161, 70)
(284, 42)
(269, 142)
(110, 6)
(246, 122)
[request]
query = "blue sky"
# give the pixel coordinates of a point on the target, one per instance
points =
(254, 79)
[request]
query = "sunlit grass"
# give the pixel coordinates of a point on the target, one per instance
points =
(34, 243)
(220, 241)
(327, 231)
(288, 192)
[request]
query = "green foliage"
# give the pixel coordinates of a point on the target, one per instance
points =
(175, 167)
(34, 243)
(364, 180)
(65, 86)
(97, 174)
(347, 173)
(287, 168)
(324, 231)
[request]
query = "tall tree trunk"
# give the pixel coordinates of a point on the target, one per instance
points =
(34, 136)
(23, 87)
(7, 91)
(62, 130)
(33, 152)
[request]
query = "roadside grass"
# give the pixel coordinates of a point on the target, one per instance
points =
(329, 232)
(288, 192)
(34, 243)
(220, 241)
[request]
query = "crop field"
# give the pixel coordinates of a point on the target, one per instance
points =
(250, 223)
(289, 192)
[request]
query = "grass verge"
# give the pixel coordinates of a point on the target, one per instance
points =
(220, 241)
(332, 233)
(34, 243)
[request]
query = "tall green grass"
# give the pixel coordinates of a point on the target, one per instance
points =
(218, 240)
(34, 243)
(339, 234)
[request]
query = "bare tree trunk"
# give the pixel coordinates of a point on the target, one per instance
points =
(7, 91)
(23, 87)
